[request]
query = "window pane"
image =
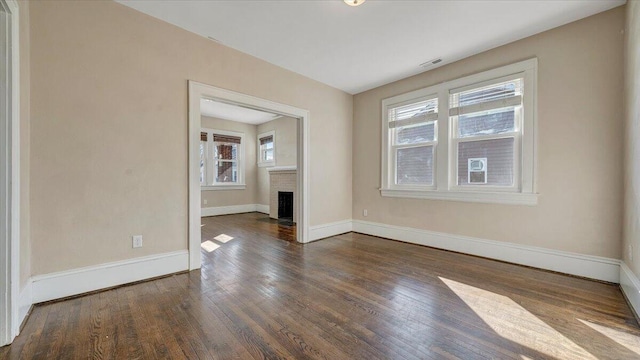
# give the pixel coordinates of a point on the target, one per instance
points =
(226, 151)
(268, 155)
(487, 122)
(489, 93)
(227, 171)
(413, 110)
(416, 133)
(414, 166)
(203, 172)
(499, 163)
(268, 145)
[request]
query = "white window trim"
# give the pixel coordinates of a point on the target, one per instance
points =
(10, 317)
(269, 163)
(525, 190)
(209, 160)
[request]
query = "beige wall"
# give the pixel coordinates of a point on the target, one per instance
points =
(286, 151)
(25, 244)
(632, 137)
(579, 118)
(109, 130)
(216, 198)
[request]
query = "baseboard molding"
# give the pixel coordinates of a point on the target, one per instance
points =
(630, 285)
(25, 302)
(593, 267)
(78, 281)
(227, 210)
(262, 209)
(330, 229)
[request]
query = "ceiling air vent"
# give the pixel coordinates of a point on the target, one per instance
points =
(430, 63)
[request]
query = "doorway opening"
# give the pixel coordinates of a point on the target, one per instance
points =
(243, 151)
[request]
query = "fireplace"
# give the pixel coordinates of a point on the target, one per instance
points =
(282, 180)
(285, 205)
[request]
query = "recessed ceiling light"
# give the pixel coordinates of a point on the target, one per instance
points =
(354, 2)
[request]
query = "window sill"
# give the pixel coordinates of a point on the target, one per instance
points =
(267, 164)
(223, 187)
(466, 196)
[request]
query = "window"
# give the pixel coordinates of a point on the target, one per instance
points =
(413, 140)
(266, 149)
(478, 147)
(221, 160)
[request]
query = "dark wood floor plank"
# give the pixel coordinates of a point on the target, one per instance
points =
(352, 296)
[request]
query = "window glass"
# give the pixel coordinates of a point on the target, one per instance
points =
(414, 166)
(416, 133)
(487, 122)
(499, 160)
(226, 151)
(227, 172)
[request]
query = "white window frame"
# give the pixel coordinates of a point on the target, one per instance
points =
(266, 163)
(210, 162)
(524, 191)
(420, 95)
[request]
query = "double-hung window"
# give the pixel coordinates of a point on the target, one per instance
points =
(221, 159)
(266, 149)
(470, 139)
(486, 123)
(413, 137)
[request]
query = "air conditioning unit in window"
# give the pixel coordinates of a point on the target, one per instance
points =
(477, 171)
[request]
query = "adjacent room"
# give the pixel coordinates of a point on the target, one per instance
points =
(335, 179)
(248, 162)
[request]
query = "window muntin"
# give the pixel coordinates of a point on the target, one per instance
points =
(266, 149)
(220, 158)
(483, 139)
(413, 130)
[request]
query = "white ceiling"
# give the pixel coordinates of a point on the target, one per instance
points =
(359, 48)
(224, 111)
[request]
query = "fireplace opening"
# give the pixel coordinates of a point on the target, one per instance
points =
(285, 206)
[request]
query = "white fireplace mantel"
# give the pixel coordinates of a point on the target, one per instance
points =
(282, 169)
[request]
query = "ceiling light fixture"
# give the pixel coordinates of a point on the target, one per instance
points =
(354, 2)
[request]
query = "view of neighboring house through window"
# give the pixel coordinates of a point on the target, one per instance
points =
(267, 151)
(220, 158)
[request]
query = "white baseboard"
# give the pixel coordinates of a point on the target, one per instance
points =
(630, 285)
(593, 267)
(262, 209)
(25, 301)
(227, 210)
(77, 281)
(330, 229)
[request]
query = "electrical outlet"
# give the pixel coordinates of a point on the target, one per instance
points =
(205, 201)
(365, 212)
(137, 241)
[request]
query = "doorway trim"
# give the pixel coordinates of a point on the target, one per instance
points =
(10, 175)
(196, 92)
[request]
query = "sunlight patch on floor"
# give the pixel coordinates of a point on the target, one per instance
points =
(223, 238)
(513, 322)
(209, 246)
(630, 341)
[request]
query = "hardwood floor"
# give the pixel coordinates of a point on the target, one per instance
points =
(347, 297)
